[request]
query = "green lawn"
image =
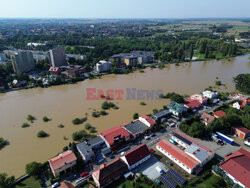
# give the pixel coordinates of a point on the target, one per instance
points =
(30, 182)
(126, 183)
(212, 181)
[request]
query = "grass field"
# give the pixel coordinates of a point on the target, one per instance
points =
(30, 182)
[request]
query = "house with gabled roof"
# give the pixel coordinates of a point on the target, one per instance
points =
(136, 157)
(62, 163)
(108, 173)
(177, 109)
(237, 167)
(206, 118)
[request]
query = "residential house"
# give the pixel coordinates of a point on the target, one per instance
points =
(62, 163)
(237, 167)
(161, 115)
(206, 118)
(85, 151)
(148, 121)
(72, 72)
(55, 71)
(210, 94)
(176, 108)
(192, 104)
(199, 98)
(66, 184)
(115, 137)
(241, 132)
(108, 173)
(136, 157)
(219, 114)
(242, 104)
(97, 143)
(130, 60)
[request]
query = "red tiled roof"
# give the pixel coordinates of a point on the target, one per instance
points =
(238, 165)
(137, 154)
(207, 118)
(62, 159)
(149, 119)
(110, 171)
(112, 133)
(192, 103)
(66, 185)
(54, 69)
(244, 103)
(220, 113)
(242, 129)
(178, 153)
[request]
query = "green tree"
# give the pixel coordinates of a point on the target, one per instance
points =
(242, 82)
(5, 181)
(135, 116)
(33, 168)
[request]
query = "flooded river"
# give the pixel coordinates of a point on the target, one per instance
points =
(66, 102)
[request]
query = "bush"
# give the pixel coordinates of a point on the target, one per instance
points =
(135, 116)
(60, 126)
(45, 119)
(84, 119)
(79, 135)
(25, 125)
(92, 130)
(87, 126)
(95, 114)
(218, 83)
(142, 103)
(76, 121)
(103, 112)
(2, 142)
(42, 134)
(33, 168)
(105, 105)
(30, 118)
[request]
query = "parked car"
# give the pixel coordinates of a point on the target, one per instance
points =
(172, 124)
(147, 137)
(152, 150)
(83, 174)
(55, 185)
(152, 134)
(168, 162)
(123, 153)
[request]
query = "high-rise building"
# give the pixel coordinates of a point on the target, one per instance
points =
(3, 58)
(23, 62)
(57, 57)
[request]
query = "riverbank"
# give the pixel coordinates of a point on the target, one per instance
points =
(160, 65)
(63, 103)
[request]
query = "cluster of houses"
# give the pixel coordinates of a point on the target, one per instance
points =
(123, 60)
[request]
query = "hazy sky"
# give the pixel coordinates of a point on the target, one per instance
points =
(124, 8)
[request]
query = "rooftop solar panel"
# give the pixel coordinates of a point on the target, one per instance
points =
(176, 176)
(167, 181)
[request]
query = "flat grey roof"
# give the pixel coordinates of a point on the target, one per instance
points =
(95, 140)
(84, 148)
(161, 114)
(198, 152)
(136, 127)
(182, 139)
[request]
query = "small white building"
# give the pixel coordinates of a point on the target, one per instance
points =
(210, 94)
(103, 66)
(236, 105)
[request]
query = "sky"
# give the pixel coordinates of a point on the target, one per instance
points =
(124, 8)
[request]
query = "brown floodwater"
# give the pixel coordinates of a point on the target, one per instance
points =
(66, 102)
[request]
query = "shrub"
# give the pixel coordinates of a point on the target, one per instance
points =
(87, 126)
(60, 126)
(42, 134)
(79, 135)
(2, 142)
(45, 119)
(30, 118)
(142, 103)
(135, 116)
(84, 119)
(218, 83)
(95, 114)
(116, 107)
(92, 130)
(105, 105)
(25, 125)
(103, 112)
(76, 121)
(33, 168)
